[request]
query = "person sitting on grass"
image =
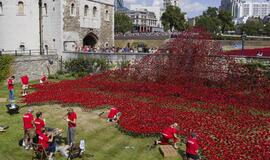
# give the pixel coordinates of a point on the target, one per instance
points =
(24, 81)
(39, 123)
(168, 134)
(28, 125)
(114, 115)
(192, 147)
(45, 139)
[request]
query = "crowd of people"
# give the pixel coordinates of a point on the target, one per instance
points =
(89, 49)
(37, 132)
(147, 35)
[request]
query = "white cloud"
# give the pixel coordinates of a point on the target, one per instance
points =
(157, 3)
(130, 1)
(189, 6)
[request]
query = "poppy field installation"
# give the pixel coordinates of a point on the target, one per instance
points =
(190, 82)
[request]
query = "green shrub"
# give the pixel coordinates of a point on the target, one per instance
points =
(5, 62)
(123, 64)
(82, 66)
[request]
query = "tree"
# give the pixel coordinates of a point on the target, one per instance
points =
(173, 18)
(267, 29)
(253, 26)
(122, 23)
(215, 20)
(226, 21)
(209, 20)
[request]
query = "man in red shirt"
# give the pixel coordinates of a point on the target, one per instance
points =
(114, 115)
(10, 84)
(39, 123)
(28, 125)
(192, 147)
(45, 139)
(71, 119)
(168, 134)
(24, 81)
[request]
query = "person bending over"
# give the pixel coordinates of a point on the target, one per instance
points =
(168, 134)
(114, 115)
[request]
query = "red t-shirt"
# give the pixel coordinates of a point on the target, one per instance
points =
(112, 113)
(25, 80)
(192, 146)
(43, 78)
(39, 123)
(10, 84)
(169, 132)
(72, 116)
(28, 118)
(43, 140)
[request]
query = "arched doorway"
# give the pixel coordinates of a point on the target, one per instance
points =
(90, 40)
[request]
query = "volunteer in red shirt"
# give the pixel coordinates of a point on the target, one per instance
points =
(192, 147)
(10, 84)
(24, 81)
(45, 139)
(39, 123)
(43, 79)
(71, 119)
(168, 134)
(114, 115)
(28, 125)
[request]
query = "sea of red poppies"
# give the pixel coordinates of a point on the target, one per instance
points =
(226, 103)
(251, 52)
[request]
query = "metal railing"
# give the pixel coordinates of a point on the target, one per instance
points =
(28, 52)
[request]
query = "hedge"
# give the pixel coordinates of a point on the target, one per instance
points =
(5, 62)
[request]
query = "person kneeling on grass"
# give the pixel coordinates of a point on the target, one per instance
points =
(45, 139)
(192, 147)
(114, 115)
(168, 134)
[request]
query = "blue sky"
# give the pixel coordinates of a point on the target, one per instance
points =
(191, 7)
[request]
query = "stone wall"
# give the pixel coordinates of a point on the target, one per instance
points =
(74, 30)
(34, 66)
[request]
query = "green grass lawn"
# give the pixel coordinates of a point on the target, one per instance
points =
(103, 140)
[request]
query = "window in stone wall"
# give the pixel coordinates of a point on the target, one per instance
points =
(45, 9)
(1, 8)
(22, 47)
(72, 9)
(94, 11)
(20, 8)
(86, 10)
(107, 15)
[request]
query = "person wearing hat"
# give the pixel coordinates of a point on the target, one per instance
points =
(169, 133)
(71, 119)
(28, 125)
(192, 147)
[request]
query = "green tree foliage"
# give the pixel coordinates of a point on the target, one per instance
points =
(84, 66)
(215, 21)
(5, 62)
(267, 29)
(173, 18)
(122, 23)
(254, 27)
(226, 21)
